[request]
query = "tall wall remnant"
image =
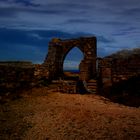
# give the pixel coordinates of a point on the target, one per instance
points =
(52, 68)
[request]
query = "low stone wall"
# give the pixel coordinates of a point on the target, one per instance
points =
(65, 86)
(15, 76)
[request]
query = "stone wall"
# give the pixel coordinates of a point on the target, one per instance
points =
(15, 76)
(120, 78)
(105, 72)
(125, 68)
(117, 69)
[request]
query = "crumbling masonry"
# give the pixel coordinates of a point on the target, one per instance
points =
(96, 73)
(52, 67)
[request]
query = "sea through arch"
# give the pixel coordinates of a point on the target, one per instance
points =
(72, 62)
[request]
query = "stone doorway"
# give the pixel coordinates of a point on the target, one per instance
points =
(52, 68)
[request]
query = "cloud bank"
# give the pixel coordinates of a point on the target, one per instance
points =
(26, 26)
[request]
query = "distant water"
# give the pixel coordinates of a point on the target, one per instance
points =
(74, 71)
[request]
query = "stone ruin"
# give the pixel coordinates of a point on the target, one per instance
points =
(96, 74)
(52, 68)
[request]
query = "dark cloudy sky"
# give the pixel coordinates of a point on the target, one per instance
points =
(26, 26)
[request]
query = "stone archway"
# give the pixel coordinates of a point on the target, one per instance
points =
(58, 49)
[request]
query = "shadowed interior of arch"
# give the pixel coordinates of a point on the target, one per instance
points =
(71, 62)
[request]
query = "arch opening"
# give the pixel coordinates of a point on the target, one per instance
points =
(71, 63)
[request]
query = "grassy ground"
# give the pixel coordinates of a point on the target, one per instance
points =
(41, 114)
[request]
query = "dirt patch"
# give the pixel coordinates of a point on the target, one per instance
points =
(41, 115)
